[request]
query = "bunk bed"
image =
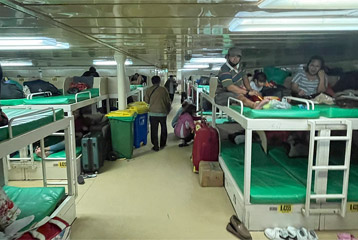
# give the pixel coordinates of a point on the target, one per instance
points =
(270, 189)
(27, 126)
(69, 104)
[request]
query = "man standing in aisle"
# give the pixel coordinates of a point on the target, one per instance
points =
(171, 86)
(233, 82)
(159, 107)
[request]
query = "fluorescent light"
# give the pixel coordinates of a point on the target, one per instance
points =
(294, 24)
(15, 63)
(216, 68)
(28, 41)
(208, 60)
(188, 69)
(110, 62)
(59, 45)
(196, 65)
(295, 21)
(308, 4)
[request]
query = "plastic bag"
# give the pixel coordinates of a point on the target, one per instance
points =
(275, 104)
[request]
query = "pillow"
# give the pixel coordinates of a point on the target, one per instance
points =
(8, 210)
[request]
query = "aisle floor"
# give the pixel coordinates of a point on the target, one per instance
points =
(155, 195)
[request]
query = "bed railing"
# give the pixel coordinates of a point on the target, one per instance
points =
(309, 103)
(230, 99)
(27, 115)
(76, 96)
(48, 94)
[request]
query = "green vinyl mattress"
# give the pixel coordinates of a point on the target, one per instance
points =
(29, 123)
(12, 102)
(333, 111)
(297, 167)
(65, 99)
(269, 183)
(295, 112)
(37, 201)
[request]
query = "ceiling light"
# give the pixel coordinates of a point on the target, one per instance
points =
(28, 41)
(216, 68)
(196, 65)
(208, 60)
(308, 4)
(15, 63)
(59, 45)
(185, 69)
(295, 21)
(110, 62)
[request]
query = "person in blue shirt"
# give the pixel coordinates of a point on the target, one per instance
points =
(233, 82)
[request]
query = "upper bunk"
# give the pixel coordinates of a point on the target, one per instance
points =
(98, 91)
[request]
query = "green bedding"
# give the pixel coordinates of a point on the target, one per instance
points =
(28, 123)
(65, 99)
(297, 167)
(12, 102)
(60, 154)
(337, 112)
(269, 184)
(37, 201)
(295, 112)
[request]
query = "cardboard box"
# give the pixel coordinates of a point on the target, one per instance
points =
(210, 174)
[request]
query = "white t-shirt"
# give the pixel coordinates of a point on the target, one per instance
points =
(254, 87)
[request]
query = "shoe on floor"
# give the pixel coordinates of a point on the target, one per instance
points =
(292, 232)
(230, 228)
(156, 149)
(240, 228)
(276, 233)
(183, 145)
(302, 234)
(312, 235)
(345, 236)
(162, 147)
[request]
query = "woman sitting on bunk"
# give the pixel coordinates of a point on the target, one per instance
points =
(233, 82)
(311, 80)
(81, 128)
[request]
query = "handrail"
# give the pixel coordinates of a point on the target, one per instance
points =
(76, 96)
(39, 93)
(27, 115)
(306, 101)
(236, 100)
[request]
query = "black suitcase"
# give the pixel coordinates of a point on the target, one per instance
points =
(92, 149)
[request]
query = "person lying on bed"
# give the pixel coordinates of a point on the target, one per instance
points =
(311, 80)
(233, 82)
(82, 125)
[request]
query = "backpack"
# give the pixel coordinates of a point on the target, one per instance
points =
(77, 87)
(347, 98)
(42, 86)
(10, 91)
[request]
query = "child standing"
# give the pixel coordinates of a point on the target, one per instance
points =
(185, 127)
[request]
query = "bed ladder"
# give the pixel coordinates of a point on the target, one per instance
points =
(322, 166)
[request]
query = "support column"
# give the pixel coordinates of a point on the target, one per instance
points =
(121, 81)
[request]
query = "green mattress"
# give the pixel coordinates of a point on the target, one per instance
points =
(297, 167)
(65, 99)
(37, 201)
(269, 184)
(60, 154)
(295, 112)
(12, 102)
(29, 123)
(337, 112)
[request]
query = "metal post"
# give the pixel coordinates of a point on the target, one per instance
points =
(121, 78)
(247, 171)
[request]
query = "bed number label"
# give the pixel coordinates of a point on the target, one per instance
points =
(353, 207)
(285, 208)
(62, 164)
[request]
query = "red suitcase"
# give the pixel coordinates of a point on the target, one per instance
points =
(206, 145)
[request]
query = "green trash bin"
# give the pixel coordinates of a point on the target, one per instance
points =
(122, 131)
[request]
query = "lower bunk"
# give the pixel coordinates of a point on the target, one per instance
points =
(278, 190)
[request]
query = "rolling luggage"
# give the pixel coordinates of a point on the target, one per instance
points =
(92, 152)
(206, 145)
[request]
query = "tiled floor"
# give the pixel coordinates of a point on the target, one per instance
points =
(155, 195)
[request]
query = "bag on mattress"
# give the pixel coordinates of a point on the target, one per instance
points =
(42, 86)
(347, 98)
(10, 91)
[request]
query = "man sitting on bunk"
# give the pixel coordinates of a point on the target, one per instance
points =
(233, 82)
(82, 125)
